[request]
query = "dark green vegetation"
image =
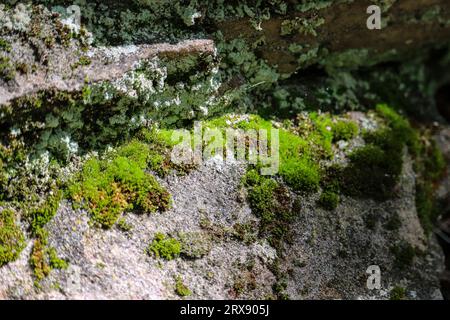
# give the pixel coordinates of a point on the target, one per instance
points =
(270, 202)
(329, 200)
(398, 293)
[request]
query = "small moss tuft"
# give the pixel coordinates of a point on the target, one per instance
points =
(344, 130)
(180, 288)
(398, 293)
(164, 247)
(329, 200)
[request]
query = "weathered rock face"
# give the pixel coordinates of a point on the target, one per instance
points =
(86, 150)
(327, 258)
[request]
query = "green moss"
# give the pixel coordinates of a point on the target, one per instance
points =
(400, 127)
(428, 208)
(430, 166)
(374, 169)
(329, 200)
(41, 215)
(270, 202)
(83, 61)
(118, 183)
(394, 222)
(164, 247)
(39, 258)
(5, 45)
(12, 239)
(297, 167)
(301, 25)
(298, 154)
(44, 259)
(54, 261)
(344, 130)
(123, 225)
(7, 70)
(404, 254)
(398, 293)
(180, 288)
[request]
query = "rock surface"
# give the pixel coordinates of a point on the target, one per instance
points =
(327, 259)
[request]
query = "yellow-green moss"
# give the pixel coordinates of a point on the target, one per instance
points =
(164, 247)
(43, 258)
(107, 187)
(38, 259)
(12, 239)
(180, 288)
(38, 217)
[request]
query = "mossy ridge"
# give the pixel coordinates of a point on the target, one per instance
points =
(301, 144)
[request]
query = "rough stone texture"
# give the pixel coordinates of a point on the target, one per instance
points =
(328, 258)
(107, 64)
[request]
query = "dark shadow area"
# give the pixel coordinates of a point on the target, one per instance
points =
(443, 101)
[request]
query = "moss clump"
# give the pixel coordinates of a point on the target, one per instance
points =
(56, 262)
(118, 183)
(398, 293)
(43, 259)
(180, 288)
(164, 247)
(298, 160)
(394, 222)
(123, 225)
(5, 45)
(344, 130)
(374, 169)
(83, 61)
(270, 202)
(39, 260)
(404, 254)
(329, 200)
(12, 239)
(297, 166)
(301, 25)
(430, 167)
(40, 216)
(7, 70)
